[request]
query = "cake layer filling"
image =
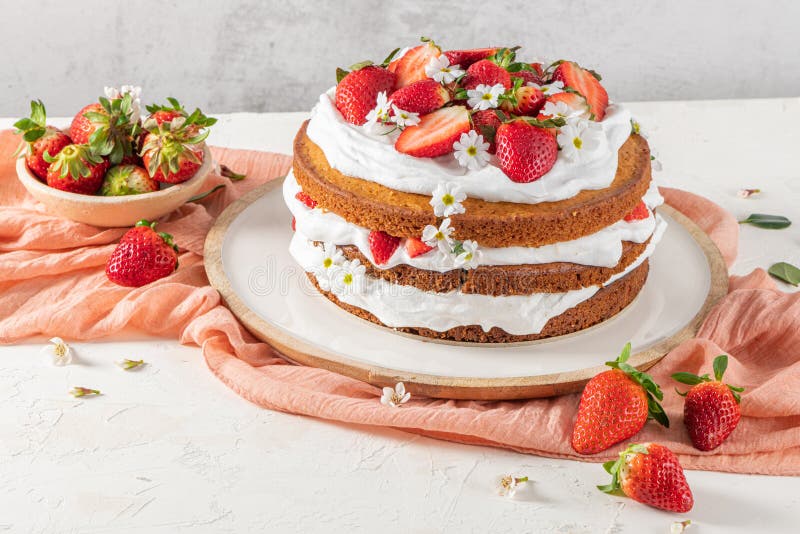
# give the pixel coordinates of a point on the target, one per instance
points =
(358, 151)
(601, 249)
(406, 306)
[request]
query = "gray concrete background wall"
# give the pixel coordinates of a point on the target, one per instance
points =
(248, 55)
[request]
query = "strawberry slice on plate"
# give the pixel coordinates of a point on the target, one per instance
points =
(435, 133)
(587, 83)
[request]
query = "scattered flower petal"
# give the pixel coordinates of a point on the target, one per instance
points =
(83, 392)
(447, 199)
(58, 353)
(509, 484)
(440, 69)
(471, 151)
(747, 193)
(679, 526)
(485, 96)
(395, 397)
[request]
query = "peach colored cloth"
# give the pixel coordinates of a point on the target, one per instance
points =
(52, 283)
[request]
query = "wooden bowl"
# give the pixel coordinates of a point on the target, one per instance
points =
(110, 212)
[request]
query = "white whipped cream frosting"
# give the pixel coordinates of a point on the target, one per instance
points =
(601, 249)
(355, 151)
(406, 306)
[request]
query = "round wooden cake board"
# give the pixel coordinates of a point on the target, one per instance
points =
(247, 261)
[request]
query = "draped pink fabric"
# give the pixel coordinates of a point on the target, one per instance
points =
(52, 283)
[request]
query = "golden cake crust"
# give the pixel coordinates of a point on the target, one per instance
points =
(603, 305)
(490, 224)
(495, 280)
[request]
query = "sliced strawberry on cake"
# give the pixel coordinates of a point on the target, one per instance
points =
(410, 67)
(587, 83)
(576, 106)
(435, 133)
(465, 58)
(416, 247)
(382, 246)
(638, 213)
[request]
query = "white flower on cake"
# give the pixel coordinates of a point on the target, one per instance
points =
(328, 256)
(562, 110)
(509, 484)
(58, 353)
(395, 397)
(440, 238)
(440, 69)
(347, 278)
(468, 255)
(471, 151)
(136, 103)
(485, 96)
(579, 139)
(379, 115)
(447, 199)
(550, 89)
(403, 118)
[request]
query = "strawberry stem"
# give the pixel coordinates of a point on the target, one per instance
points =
(654, 394)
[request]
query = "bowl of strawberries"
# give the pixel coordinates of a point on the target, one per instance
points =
(112, 167)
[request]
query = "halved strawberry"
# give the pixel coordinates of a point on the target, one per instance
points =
(416, 247)
(465, 58)
(639, 212)
(306, 199)
(435, 133)
(410, 67)
(526, 152)
(572, 100)
(382, 246)
(526, 101)
(421, 97)
(487, 73)
(486, 122)
(358, 91)
(586, 84)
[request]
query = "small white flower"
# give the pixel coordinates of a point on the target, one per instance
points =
(395, 397)
(328, 256)
(440, 69)
(471, 151)
(747, 193)
(347, 278)
(403, 118)
(553, 88)
(57, 353)
(447, 199)
(509, 484)
(678, 527)
(379, 115)
(439, 237)
(579, 139)
(562, 110)
(469, 257)
(485, 96)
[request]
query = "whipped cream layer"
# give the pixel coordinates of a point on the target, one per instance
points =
(355, 151)
(601, 249)
(406, 306)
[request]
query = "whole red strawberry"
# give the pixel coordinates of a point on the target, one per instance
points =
(357, 92)
(711, 411)
(525, 149)
(587, 83)
(38, 139)
(615, 405)
(167, 113)
(127, 180)
(524, 100)
(142, 256)
(651, 474)
(173, 151)
(76, 169)
(382, 246)
(109, 126)
(486, 72)
(421, 97)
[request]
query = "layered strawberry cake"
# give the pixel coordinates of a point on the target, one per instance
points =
(474, 196)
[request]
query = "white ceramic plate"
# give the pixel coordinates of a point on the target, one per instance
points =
(255, 273)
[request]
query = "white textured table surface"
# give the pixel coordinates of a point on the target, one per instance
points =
(171, 449)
